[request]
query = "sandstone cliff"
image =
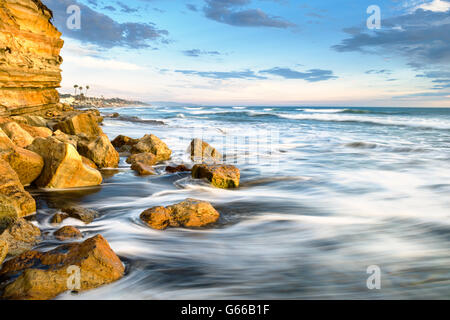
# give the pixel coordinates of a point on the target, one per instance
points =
(29, 58)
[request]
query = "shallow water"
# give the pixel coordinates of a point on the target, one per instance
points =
(335, 191)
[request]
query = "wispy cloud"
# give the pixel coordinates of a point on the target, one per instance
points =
(312, 75)
(197, 53)
(232, 12)
(101, 30)
(422, 37)
(224, 75)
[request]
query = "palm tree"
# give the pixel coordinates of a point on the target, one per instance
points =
(87, 88)
(76, 87)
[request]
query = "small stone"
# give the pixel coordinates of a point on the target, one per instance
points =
(59, 218)
(180, 168)
(67, 233)
(189, 213)
(82, 214)
(142, 169)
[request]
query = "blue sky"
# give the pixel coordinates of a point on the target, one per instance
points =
(259, 52)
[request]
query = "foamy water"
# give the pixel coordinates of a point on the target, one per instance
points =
(337, 191)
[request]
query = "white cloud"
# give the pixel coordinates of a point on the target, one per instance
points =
(435, 5)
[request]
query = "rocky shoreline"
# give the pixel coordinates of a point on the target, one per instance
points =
(69, 150)
(50, 144)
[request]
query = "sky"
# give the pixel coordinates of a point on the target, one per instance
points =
(259, 52)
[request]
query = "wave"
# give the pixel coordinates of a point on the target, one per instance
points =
(138, 120)
(397, 121)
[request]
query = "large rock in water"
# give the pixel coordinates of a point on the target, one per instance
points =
(27, 164)
(100, 151)
(82, 123)
(64, 167)
(18, 136)
(42, 276)
(19, 234)
(14, 200)
(220, 176)
(189, 213)
(152, 144)
(29, 58)
(202, 152)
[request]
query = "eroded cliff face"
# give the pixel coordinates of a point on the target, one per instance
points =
(29, 58)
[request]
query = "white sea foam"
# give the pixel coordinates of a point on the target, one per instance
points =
(387, 120)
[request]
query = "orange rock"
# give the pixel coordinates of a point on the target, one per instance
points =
(142, 169)
(83, 123)
(189, 213)
(89, 162)
(152, 144)
(121, 141)
(20, 235)
(3, 250)
(147, 158)
(67, 233)
(220, 176)
(42, 276)
(14, 200)
(18, 136)
(37, 131)
(27, 164)
(100, 151)
(63, 167)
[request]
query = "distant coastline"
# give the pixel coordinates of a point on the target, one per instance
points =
(82, 101)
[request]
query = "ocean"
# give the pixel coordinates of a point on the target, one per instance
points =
(326, 195)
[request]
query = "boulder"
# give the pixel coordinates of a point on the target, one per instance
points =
(3, 250)
(36, 132)
(152, 144)
(67, 233)
(147, 158)
(41, 276)
(89, 162)
(124, 143)
(100, 151)
(27, 164)
(59, 218)
(220, 176)
(202, 152)
(18, 136)
(189, 213)
(20, 235)
(80, 123)
(14, 200)
(61, 136)
(80, 213)
(179, 168)
(34, 121)
(63, 167)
